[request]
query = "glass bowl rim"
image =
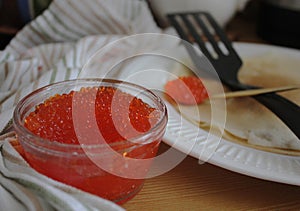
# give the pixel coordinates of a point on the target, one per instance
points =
(20, 129)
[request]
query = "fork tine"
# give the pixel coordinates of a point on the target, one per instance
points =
(178, 27)
(200, 62)
(196, 36)
(223, 37)
(190, 31)
(207, 33)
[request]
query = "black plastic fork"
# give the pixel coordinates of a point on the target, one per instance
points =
(201, 28)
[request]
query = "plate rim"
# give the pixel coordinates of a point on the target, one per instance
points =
(242, 159)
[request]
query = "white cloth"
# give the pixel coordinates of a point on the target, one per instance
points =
(55, 47)
(57, 44)
(22, 188)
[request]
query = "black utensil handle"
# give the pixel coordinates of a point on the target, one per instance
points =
(286, 110)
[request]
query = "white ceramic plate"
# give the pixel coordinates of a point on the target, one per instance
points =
(188, 138)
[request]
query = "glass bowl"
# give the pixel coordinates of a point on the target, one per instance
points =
(113, 148)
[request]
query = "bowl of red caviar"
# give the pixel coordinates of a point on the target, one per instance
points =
(98, 135)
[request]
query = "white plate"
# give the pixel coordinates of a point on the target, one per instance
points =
(245, 160)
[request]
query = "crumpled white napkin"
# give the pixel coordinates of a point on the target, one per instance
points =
(22, 188)
(55, 47)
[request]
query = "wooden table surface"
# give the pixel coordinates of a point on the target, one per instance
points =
(194, 186)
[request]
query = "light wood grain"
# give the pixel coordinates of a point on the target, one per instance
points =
(191, 186)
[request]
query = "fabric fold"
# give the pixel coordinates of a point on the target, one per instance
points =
(35, 191)
(52, 48)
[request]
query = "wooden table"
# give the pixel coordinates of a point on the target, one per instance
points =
(194, 186)
(191, 186)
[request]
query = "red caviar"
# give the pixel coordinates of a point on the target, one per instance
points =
(187, 90)
(119, 117)
(53, 119)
